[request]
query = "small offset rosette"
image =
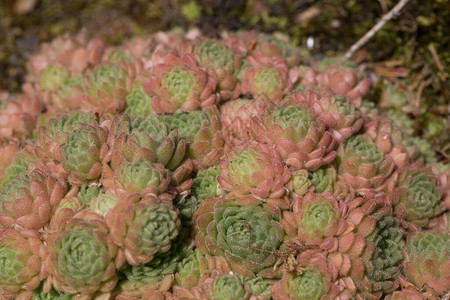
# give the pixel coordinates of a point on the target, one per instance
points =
(178, 83)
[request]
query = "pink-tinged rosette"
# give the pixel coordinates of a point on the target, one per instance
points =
(314, 277)
(143, 227)
(417, 194)
(245, 230)
(82, 260)
(29, 200)
(370, 251)
(18, 116)
(391, 140)
(22, 253)
(220, 62)
(316, 220)
(297, 135)
(179, 84)
(341, 117)
(255, 169)
(267, 76)
(363, 166)
(202, 130)
(235, 116)
(344, 81)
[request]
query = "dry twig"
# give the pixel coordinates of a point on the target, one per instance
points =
(394, 12)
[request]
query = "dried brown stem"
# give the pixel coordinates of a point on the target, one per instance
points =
(394, 12)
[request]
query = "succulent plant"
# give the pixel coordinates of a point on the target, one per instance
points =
(314, 279)
(106, 89)
(416, 194)
(176, 166)
(52, 294)
(369, 255)
(18, 116)
(178, 83)
(143, 227)
(267, 76)
(315, 219)
(220, 62)
(138, 103)
(148, 138)
(428, 259)
(223, 286)
(235, 117)
(204, 185)
(103, 203)
(363, 166)
(29, 200)
(257, 170)
(202, 130)
(21, 256)
(300, 139)
(83, 153)
(141, 177)
(81, 255)
(245, 231)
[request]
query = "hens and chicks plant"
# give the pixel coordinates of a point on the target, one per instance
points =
(176, 166)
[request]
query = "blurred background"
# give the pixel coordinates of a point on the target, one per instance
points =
(411, 51)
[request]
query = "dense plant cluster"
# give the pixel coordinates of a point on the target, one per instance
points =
(176, 166)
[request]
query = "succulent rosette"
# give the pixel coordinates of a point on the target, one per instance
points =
(316, 220)
(18, 116)
(196, 267)
(255, 169)
(292, 128)
(369, 255)
(341, 117)
(204, 185)
(416, 194)
(223, 286)
(344, 81)
(299, 184)
(147, 138)
(220, 62)
(202, 130)
(138, 103)
(315, 278)
(245, 231)
(143, 227)
(21, 257)
(235, 116)
(427, 261)
(363, 166)
(156, 276)
(83, 154)
(102, 203)
(82, 257)
(23, 161)
(141, 176)
(29, 200)
(51, 136)
(106, 89)
(392, 141)
(267, 76)
(179, 84)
